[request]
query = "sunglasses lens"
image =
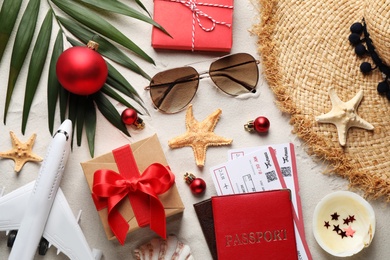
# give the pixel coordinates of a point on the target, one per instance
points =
(172, 90)
(235, 74)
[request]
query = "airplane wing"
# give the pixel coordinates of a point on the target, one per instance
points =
(63, 231)
(12, 207)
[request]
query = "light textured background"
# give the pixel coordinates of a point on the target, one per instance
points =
(236, 112)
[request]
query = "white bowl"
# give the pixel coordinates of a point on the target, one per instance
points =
(343, 223)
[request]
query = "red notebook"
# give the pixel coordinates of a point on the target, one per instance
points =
(255, 225)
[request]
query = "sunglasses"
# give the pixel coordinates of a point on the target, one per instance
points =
(172, 90)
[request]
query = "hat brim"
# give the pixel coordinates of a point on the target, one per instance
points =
(305, 50)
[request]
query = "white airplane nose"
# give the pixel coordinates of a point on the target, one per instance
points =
(66, 128)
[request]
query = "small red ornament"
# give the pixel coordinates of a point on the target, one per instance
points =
(82, 70)
(130, 117)
(197, 185)
(260, 125)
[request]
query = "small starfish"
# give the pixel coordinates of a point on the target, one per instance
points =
(199, 135)
(343, 115)
(21, 152)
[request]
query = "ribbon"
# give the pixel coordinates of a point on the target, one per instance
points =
(110, 188)
(197, 13)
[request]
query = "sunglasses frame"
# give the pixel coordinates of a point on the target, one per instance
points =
(203, 75)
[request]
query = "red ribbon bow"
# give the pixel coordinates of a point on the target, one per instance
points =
(110, 188)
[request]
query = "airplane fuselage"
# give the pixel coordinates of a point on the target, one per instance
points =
(43, 195)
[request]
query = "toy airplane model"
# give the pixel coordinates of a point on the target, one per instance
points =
(38, 215)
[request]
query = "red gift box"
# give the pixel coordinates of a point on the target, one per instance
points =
(193, 25)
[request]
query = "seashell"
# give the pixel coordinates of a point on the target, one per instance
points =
(343, 223)
(161, 249)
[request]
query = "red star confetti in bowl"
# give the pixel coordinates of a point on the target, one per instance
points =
(343, 223)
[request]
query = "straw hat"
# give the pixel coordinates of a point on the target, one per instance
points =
(305, 51)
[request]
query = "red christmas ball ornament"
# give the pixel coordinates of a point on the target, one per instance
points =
(82, 70)
(261, 125)
(197, 185)
(130, 117)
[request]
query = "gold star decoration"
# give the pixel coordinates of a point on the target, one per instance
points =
(21, 152)
(343, 115)
(199, 135)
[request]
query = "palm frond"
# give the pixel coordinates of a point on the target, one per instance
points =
(37, 62)
(22, 44)
(120, 8)
(83, 20)
(109, 112)
(8, 14)
(106, 48)
(53, 86)
(99, 25)
(90, 124)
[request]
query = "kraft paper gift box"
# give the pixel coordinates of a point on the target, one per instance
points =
(146, 152)
(193, 25)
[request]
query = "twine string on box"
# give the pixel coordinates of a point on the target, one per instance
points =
(197, 14)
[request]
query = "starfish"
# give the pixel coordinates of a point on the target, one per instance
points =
(199, 135)
(343, 115)
(21, 152)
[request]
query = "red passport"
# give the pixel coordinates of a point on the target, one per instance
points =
(255, 225)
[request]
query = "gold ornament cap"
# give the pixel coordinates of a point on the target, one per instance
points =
(250, 126)
(189, 177)
(93, 45)
(139, 123)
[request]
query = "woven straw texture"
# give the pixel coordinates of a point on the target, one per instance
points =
(305, 50)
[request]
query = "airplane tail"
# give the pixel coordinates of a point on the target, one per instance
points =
(97, 254)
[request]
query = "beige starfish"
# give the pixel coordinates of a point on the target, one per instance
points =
(343, 115)
(21, 152)
(199, 135)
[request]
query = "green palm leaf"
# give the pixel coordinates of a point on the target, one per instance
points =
(142, 6)
(22, 43)
(114, 95)
(90, 124)
(120, 8)
(38, 58)
(64, 96)
(80, 117)
(53, 86)
(101, 26)
(109, 112)
(8, 14)
(117, 81)
(72, 113)
(106, 48)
